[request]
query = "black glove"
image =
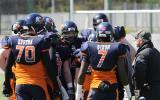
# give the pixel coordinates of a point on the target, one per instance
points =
(56, 93)
(71, 94)
(7, 90)
(104, 86)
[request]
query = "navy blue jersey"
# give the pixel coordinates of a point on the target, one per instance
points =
(77, 43)
(74, 46)
(64, 52)
(27, 50)
(54, 38)
(103, 56)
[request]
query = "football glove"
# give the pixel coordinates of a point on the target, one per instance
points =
(7, 90)
(127, 88)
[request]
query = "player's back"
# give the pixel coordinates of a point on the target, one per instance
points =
(27, 51)
(103, 58)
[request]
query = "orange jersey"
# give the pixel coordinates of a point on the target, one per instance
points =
(27, 51)
(31, 74)
(99, 76)
(87, 82)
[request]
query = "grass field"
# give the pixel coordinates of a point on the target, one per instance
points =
(1, 82)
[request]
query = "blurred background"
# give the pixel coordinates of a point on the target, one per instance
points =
(62, 10)
(133, 14)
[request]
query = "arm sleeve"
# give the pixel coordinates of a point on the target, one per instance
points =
(9, 64)
(52, 55)
(82, 71)
(50, 67)
(140, 71)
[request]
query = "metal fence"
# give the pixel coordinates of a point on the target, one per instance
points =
(132, 21)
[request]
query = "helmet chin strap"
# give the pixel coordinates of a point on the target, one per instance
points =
(68, 40)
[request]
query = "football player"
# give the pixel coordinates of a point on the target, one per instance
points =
(102, 55)
(18, 28)
(119, 36)
(56, 49)
(29, 55)
(70, 42)
(97, 19)
(78, 57)
(90, 35)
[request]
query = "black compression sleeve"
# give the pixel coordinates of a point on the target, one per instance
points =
(52, 54)
(50, 67)
(9, 63)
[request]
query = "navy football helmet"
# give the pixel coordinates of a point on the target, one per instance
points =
(105, 32)
(119, 32)
(35, 22)
(49, 24)
(19, 27)
(69, 31)
(97, 19)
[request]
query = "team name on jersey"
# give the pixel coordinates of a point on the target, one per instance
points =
(103, 47)
(24, 42)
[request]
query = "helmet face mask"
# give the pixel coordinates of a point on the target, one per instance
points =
(19, 27)
(69, 36)
(69, 31)
(16, 28)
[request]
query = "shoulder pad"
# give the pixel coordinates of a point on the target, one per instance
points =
(84, 46)
(77, 53)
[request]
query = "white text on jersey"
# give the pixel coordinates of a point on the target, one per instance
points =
(103, 47)
(24, 42)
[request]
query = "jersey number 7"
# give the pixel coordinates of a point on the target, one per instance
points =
(103, 54)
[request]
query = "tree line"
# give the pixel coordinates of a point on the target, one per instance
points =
(45, 6)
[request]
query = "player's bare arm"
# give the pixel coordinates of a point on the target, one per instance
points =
(83, 69)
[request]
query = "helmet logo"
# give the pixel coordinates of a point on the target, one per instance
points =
(104, 28)
(49, 20)
(39, 19)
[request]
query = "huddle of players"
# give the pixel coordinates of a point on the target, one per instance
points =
(38, 56)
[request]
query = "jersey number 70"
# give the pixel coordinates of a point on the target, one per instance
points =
(29, 53)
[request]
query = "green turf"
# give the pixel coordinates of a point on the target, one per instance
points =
(1, 82)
